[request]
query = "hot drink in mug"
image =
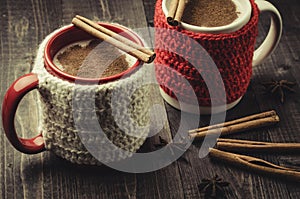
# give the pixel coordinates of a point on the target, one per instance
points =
(192, 52)
(79, 114)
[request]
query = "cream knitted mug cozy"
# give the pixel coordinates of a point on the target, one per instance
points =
(62, 123)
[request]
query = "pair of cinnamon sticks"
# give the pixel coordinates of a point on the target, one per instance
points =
(256, 164)
(236, 145)
(238, 125)
(114, 38)
(224, 147)
(176, 11)
(243, 124)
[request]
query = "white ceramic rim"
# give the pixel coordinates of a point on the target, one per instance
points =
(242, 20)
(190, 108)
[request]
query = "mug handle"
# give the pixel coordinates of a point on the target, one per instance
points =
(12, 98)
(272, 39)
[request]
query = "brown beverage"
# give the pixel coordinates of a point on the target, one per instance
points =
(91, 59)
(210, 13)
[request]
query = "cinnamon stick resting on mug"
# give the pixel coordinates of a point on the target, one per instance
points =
(115, 39)
(238, 125)
(176, 11)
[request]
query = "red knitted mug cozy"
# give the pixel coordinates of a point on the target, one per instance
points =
(232, 53)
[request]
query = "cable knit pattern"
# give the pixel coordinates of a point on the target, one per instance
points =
(232, 53)
(69, 112)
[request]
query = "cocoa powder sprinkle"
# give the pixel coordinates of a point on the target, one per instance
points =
(93, 60)
(210, 13)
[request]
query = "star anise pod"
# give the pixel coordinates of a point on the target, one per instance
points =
(279, 87)
(162, 142)
(213, 188)
(178, 146)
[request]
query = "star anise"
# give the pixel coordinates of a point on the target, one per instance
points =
(179, 146)
(162, 142)
(213, 188)
(279, 87)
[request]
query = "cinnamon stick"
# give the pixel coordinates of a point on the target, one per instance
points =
(172, 12)
(176, 12)
(113, 38)
(235, 145)
(256, 164)
(236, 121)
(239, 125)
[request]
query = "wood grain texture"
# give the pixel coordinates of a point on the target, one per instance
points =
(25, 23)
(283, 64)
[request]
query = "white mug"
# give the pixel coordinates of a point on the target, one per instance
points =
(244, 7)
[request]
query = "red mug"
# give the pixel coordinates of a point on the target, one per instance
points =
(56, 89)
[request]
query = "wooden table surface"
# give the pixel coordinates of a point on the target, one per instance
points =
(24, 24)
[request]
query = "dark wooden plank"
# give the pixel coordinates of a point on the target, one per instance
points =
(25, 24)
(16, 32)
(243, 183)
(4, 62)
(283, 65)
(149, 6)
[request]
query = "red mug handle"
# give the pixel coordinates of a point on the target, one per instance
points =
(12, 98)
